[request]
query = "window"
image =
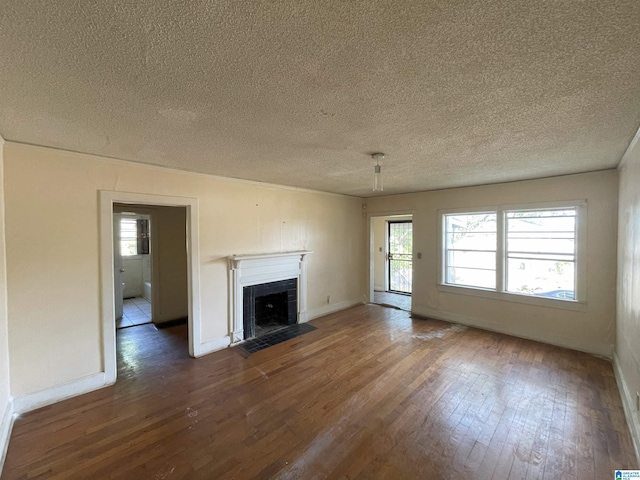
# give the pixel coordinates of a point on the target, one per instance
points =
(522, 251)
(134, 236)
(128, 237)
(541, 252)
(470, 249)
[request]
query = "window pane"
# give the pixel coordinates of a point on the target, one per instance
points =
(540, 251)
(477, 241)
(128, 237)
(541, 224)
(471, 277)
(472, 259)
(543, 256)
(470, 249)
(541, 245)
(555, 212)
(475, 222)
(128, 248)
(542, 278)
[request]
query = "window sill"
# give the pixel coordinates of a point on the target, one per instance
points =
(514, 297)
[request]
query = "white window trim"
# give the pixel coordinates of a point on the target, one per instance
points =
(580, 270)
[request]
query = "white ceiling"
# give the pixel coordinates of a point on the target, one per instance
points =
(294, 92)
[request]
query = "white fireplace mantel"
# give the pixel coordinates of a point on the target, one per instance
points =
(247, 270)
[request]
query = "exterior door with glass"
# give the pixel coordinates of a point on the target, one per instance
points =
(400, 256)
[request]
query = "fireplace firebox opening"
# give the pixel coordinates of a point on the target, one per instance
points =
(269, 306)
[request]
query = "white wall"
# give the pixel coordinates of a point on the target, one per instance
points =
(5, 393)
(591, 330)
(52, 223)
(627, 347)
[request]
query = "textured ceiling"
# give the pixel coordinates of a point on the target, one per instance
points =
(299, 93)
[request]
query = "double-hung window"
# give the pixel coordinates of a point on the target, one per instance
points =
(531, 251)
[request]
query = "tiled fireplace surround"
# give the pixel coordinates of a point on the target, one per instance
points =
(253, 270)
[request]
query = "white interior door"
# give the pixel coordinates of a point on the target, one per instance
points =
(117, 268)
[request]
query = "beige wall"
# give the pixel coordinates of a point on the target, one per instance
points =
(628, 306)
(53, 251)
(591, 330)
(169, 270)
(5, 393)
(378, 228)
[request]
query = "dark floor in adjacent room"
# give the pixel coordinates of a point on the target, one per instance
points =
(372, 393)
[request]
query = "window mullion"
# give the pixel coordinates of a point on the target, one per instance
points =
(500, 250)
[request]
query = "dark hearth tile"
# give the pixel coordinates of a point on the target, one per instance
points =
(270, 339)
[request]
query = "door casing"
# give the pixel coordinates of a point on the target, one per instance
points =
(107, 199)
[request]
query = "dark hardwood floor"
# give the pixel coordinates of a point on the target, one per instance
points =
(371, 393)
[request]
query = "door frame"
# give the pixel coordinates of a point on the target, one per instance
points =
(368, 297)
(107, 287)
(117, 268)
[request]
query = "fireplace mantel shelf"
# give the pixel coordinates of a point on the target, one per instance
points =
(270, 255)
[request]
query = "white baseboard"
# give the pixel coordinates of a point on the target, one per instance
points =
(6, 424)
(596, 348)
(331, 308)
(211, 346)
(628, 403)
(31, 401)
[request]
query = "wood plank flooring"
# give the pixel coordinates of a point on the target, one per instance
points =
(371, 393)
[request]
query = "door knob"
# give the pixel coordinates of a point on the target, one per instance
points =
(122, 270)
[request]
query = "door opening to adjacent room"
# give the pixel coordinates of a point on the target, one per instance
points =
(150, 279)
(132, 266)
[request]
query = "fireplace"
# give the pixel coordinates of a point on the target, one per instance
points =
(252, 277)
(269, 306)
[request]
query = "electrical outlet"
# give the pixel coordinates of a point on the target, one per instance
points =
(328, 298)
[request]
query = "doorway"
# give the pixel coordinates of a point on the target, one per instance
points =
(189, 264)
(391, 261)
(399, 256)
(154, 263)
(133, 265)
